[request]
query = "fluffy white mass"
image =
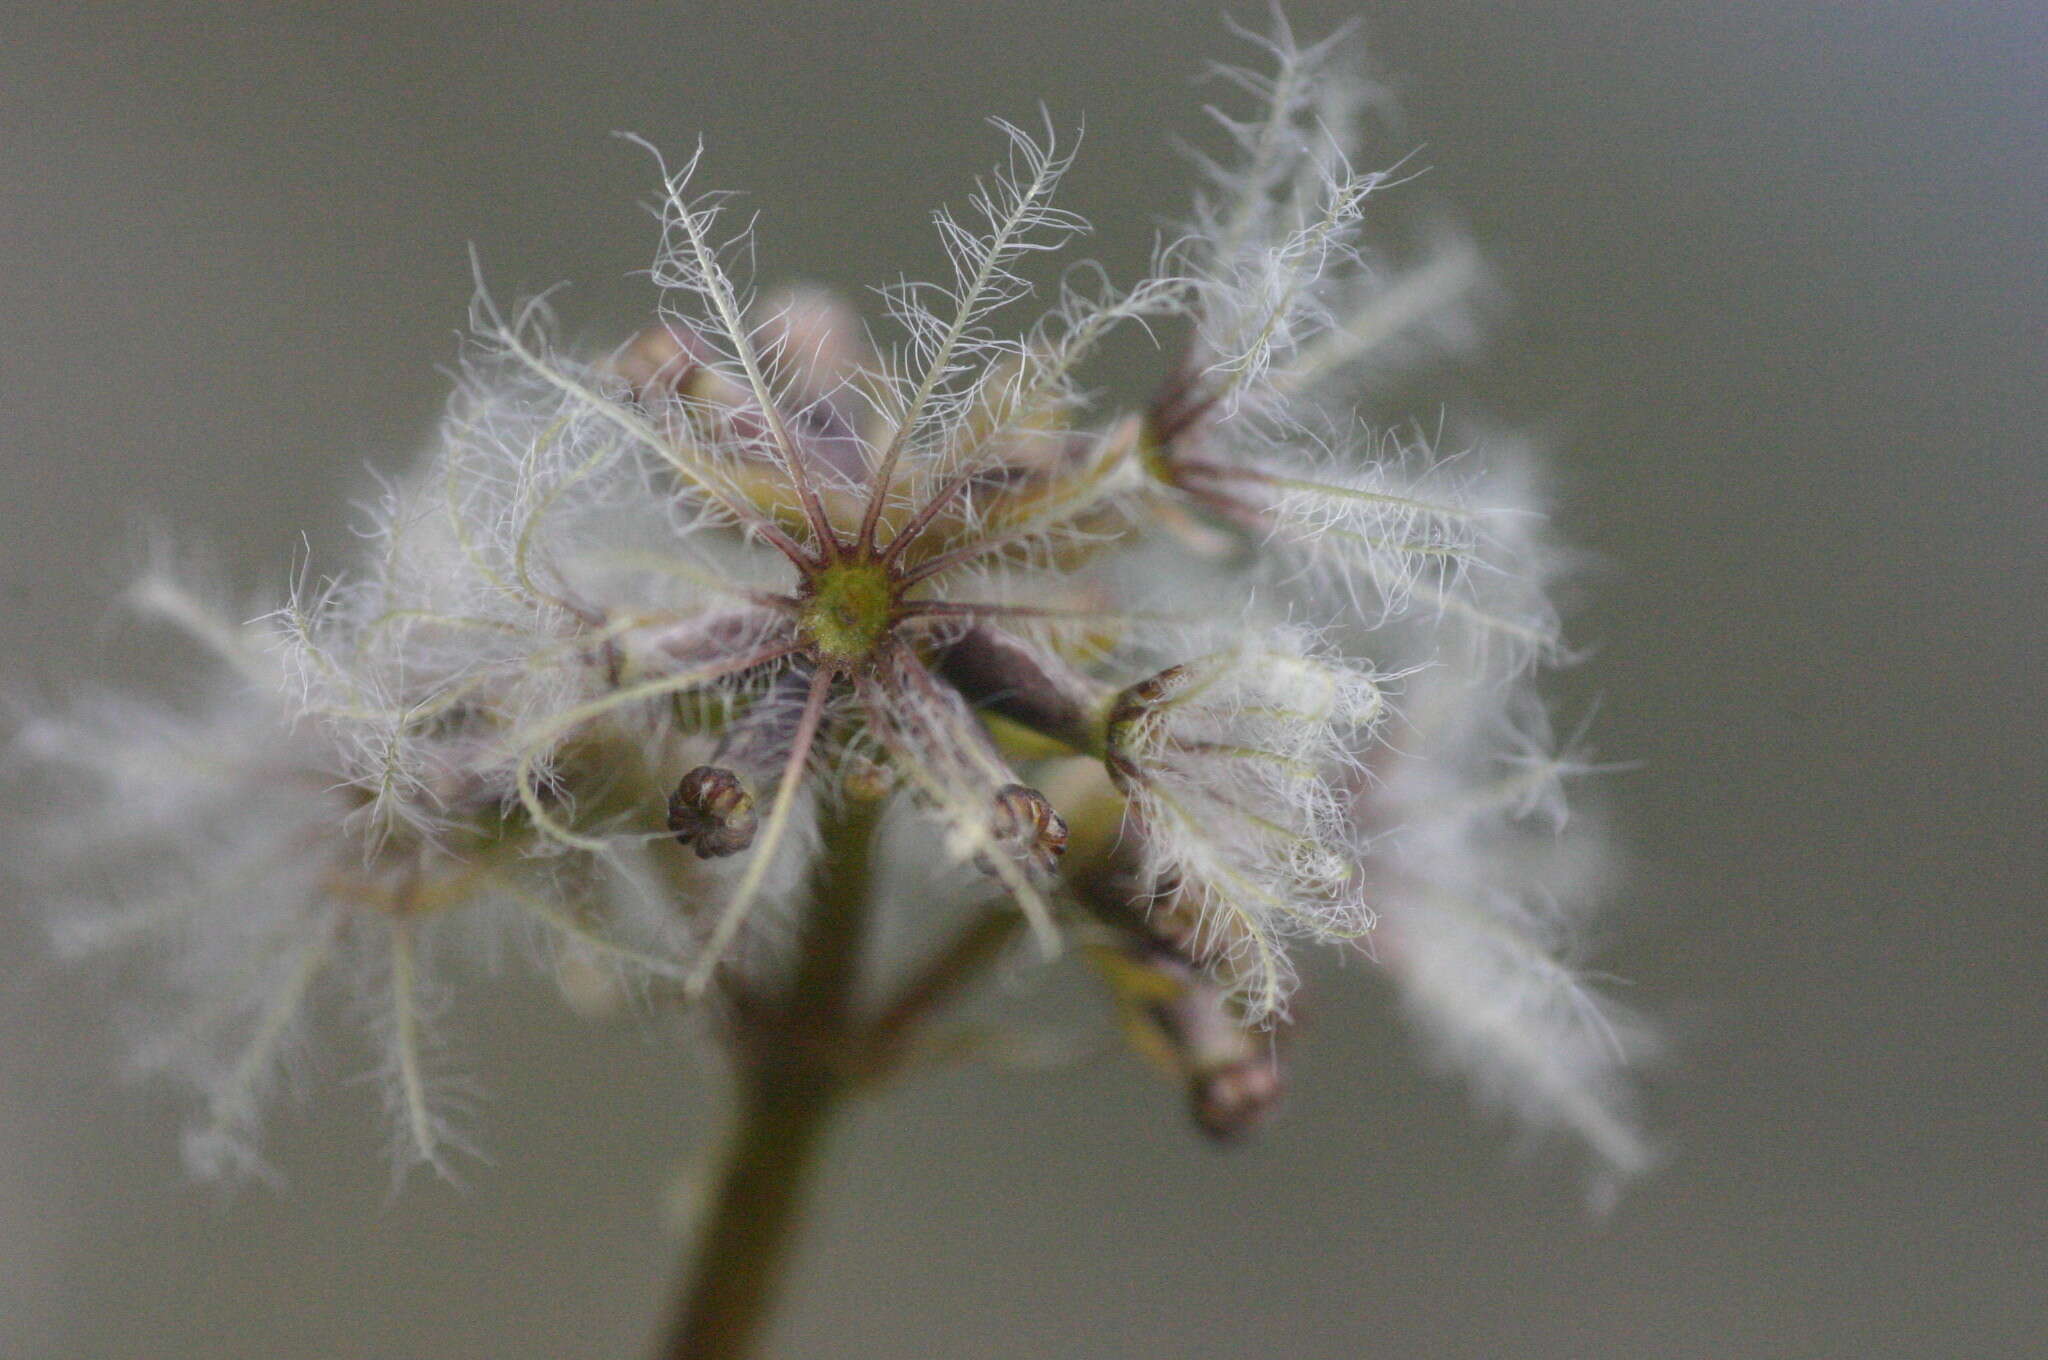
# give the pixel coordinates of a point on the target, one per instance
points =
(639, 626)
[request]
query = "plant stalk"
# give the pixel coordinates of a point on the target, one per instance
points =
(791, 1053)
(745, 1248)
(801, 1052)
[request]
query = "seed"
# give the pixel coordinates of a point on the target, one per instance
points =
(712, 812)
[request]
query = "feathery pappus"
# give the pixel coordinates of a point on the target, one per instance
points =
(650, 645)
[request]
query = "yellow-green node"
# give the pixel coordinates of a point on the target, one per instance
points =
(849, 608)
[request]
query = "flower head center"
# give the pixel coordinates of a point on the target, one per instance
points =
(848, 607)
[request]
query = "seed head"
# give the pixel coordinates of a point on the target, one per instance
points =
(1192, 678)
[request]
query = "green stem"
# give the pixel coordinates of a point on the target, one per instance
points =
(801, 1051)
(792, 1075)
(955, 966)
(745, 1248)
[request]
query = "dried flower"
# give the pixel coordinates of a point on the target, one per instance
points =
(323, 822)
(643, 632)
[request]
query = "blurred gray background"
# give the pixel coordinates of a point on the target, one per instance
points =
(1779, 288)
